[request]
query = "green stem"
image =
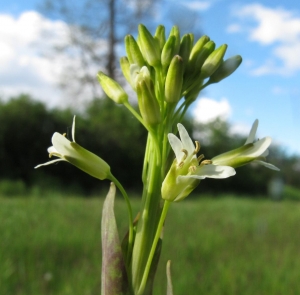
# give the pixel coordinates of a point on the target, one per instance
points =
(153, 248)
(149, 128)
(136, 114)
(149, 218)
(130, 237)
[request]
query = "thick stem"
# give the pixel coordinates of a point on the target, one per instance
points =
(150, 214)
(153, 248)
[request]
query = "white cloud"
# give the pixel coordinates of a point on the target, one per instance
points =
(207, 109)
(197, 5)
(240, 129)
(22, 68)
(24, 64)
(234, 28)
(275, 27)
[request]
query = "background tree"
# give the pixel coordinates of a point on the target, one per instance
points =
(97, 27)
(112, 133)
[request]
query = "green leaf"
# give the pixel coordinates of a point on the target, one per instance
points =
(114, 278)
(169, 280)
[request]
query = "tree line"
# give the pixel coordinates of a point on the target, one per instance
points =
(26, 128)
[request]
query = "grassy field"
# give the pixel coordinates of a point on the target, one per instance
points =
(217, 246)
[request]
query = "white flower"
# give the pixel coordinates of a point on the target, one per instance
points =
(255, 152)
(73, 153)
(187, 170)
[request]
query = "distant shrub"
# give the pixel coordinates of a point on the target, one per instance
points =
(291, 193)
(10, 188)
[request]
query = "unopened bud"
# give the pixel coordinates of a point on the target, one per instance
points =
(185, 48)
(196, 50)
(149, 46)
(168, 51)
(207, 49)
(112, 88)
(174, 80)
(226, 69)
(213, 61)
(125, 67)
(160, 36)
(133, 51)
(144, 75)
(176, 33)
(148, 104)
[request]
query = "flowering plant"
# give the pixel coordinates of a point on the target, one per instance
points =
(167, 75)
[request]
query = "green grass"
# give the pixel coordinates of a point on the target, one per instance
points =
(217, 246)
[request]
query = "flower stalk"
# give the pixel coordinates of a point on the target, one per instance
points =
(167, 75)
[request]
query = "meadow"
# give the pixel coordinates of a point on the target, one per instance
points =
(225, 245)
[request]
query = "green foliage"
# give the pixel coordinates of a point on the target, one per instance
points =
(10, 188)
(291, 193)
(241, 246)
(26, 128)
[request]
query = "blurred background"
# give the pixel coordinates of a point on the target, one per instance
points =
(50, 52)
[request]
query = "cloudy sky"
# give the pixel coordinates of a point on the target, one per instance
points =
(266, 86)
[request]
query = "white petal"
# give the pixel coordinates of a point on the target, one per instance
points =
(176, 146)
(258, 148)
(213, 171)
(268, 165)
(186, 140)
(52, 150)
(48, 163)
(73, 129)
(134, 72)
(252, 133)
(187, 178)
(62, 144)
(265, 154)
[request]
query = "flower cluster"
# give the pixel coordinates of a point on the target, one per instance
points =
(163, 70)
(167, 75)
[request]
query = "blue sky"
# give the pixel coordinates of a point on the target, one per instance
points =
(266, 86)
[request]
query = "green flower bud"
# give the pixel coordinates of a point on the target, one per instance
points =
(125, 67)
(168, 51)
(207, 49)
(144, 75)
(148, 104)
(174, 80)
(213, 61)
(149, 46)
(133, 51)
(160, 36)
(196, 50)
(127, 48)
(185, 48)
(112, 88)
(226, 69)
(192, 38)
(175, 32)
